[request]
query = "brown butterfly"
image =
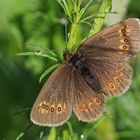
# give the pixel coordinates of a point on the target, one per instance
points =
(99, 68)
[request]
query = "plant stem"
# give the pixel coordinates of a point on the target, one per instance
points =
(71, 37)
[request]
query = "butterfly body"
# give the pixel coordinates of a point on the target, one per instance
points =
(78, 63)
(99, 68)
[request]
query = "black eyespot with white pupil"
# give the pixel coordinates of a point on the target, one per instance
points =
(125, 40)
(59, 109)
(52, 109)
(123, 30)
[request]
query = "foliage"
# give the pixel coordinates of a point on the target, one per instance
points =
(33, 36)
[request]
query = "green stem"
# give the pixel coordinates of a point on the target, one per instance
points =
(71, 37)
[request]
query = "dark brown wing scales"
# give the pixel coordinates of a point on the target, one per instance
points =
(91, 78)
(53, 106)
(87, 105)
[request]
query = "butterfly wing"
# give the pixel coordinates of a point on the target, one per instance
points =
(53, 106)
(118, 42)
(107, 54)
(115, 77)
(87, 104)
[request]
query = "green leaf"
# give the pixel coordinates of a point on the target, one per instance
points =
(70, 128)
(73, 135)
(104, 8)
(41, 134)
(38, 54)
(41, 49)
(52, 134)
(107, 115)
(89, 17)
(22, 111)
(64, 5)
(20, 136)
(47, 72)
(82, 11)
(24, 132)
(65, 135)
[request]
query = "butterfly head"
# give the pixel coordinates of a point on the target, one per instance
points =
(67, 55)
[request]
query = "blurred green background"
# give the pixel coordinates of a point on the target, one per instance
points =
(39, 24)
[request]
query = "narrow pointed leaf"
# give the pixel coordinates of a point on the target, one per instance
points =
(38, 54)
(47, 72)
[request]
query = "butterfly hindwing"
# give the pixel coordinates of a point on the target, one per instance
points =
(87, 104)
(115, 43)
(115, 77)
(53, 106)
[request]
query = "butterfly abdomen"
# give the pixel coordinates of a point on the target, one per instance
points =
(91, 79)
(78, 63)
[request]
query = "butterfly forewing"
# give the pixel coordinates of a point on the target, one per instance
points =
(53, 106)
(87, 104)
(115, 43)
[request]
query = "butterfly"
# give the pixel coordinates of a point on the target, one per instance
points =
(97, 69)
